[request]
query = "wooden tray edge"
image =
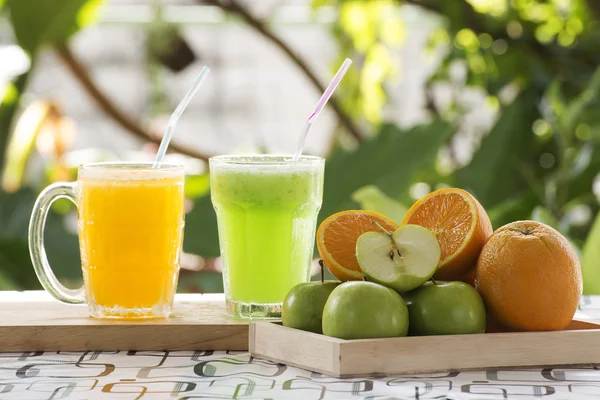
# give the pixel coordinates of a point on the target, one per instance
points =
(342, 347)
(267, 338)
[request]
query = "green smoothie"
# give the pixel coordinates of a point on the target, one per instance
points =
(267, 211)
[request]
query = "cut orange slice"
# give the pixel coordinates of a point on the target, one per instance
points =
(460, 224)
(337, 236)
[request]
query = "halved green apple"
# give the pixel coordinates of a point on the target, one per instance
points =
(402, 260)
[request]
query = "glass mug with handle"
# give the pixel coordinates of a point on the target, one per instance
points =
(130, 224)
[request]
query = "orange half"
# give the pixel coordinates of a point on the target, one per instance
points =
(337, 236)
(460, 224)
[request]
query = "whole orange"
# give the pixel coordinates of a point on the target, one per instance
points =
(529, 277)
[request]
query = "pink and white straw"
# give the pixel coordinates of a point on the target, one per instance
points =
(321, 104)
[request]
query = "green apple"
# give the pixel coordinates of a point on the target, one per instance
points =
(303, 305)
(363, 310)
(402, 260)
(445, 308)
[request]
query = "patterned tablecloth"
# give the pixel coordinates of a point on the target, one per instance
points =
(233, 375)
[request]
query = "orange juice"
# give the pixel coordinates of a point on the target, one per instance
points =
(131, 233)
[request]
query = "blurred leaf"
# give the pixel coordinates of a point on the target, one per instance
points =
(590, 262)
(495, 172)
(372, 199)
(196, 185)
(200, 282)
(555, 98)
(552, 106)
(15, 209)
(316, 4)
(583, 160)
(581, 184)
(8, 107)
(22, 142)
(61, 246)
(575, 109)
(15, 264)
(518, 207)
(201, 235)
(40, 22)
(167, 46)
(543, 215)
(392, 160)
(6, 283)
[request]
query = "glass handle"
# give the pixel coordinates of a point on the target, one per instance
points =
(36, 242)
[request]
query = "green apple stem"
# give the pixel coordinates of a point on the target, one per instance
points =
(395, 249)
(322, 264)
(377, 224)
(434, 281)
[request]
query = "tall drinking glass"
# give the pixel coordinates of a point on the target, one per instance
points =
(267, 208)
(130, 219)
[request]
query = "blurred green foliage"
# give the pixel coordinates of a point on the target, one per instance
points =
(534, 62)
(40, 22)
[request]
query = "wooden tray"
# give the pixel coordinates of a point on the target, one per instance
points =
(31, 321)
(580, 344)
